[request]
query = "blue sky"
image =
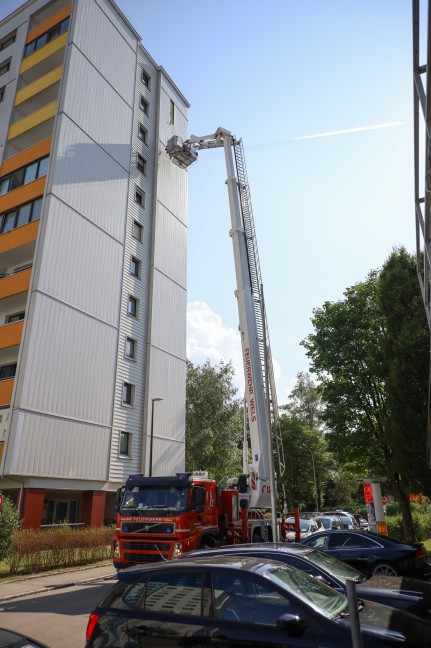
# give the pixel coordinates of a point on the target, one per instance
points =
(327, 209)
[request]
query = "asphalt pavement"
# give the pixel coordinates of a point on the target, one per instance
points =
(26, 586)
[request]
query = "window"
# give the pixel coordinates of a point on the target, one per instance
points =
(137, 230)
(4, 68)
(176, 593)
(21, 216)
(135, 267)
(7, 371)
(141, 163)
(8, 40)
(171, 112)
(125, 444)
(16, 317)
(140, 197)
(144, 105)
(143, 134)
(127, 394)
(130, 351)
(146, 79)
(24, 175)
(2, 93)
(52, 33)
(132, 306)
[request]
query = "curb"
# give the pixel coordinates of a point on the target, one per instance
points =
(49, 588)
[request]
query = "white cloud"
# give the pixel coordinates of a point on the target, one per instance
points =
(208, 338)
(350, 130)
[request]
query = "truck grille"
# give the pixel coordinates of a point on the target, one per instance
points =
(147, 558)
(147, 546)
(149, 528)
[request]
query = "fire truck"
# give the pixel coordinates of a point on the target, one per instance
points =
(161, 517)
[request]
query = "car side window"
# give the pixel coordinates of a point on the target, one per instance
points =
(242, 599)
(319, 542)
(358, 542)
(172, 593)
(340, 541)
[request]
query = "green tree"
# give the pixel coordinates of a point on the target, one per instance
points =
(214, 422)
(370, 352)
(304, 402)
(9, 522)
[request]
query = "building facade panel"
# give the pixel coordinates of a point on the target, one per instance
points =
(53, 447)
(79, 250)
(171, 257)
(87, 88)
(169, 308)
(67, 364)
(172, 187)
(89, 180)
(116, 60)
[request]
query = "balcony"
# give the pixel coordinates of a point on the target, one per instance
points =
(25, 157)
(10, 335)
(6, 388)
(41, 92)
(31, 129)
(18, 245)
(15, 284)
(24, 194)
(44, 60)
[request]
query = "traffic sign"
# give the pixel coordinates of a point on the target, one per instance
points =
(384, 501)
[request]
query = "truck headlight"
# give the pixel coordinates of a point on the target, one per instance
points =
(117, 553)
(178, 550)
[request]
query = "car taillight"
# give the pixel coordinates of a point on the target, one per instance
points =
(92, 622)
(421, 553)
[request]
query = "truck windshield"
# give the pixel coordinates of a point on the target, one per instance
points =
(145, 500)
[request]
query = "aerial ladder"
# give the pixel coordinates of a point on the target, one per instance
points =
(260, 397)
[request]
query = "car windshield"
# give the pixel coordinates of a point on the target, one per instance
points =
(339, 569)
(161, 501)
(312, 592)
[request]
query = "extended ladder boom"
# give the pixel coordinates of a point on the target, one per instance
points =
(260, 393)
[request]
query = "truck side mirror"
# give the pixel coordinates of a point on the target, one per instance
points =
(118, 497)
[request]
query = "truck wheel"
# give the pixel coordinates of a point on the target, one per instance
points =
(256, 536)
(208, 543)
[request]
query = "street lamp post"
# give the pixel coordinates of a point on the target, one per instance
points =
(150, 468)
(314, 473)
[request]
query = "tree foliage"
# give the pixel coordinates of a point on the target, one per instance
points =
(9, 522)
(214, 425)
(370, 352)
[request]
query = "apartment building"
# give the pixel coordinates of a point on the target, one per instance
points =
(92, 261)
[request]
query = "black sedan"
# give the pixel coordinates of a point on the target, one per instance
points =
(11, 639)
(409, 594)
(236, 602)
(373, 553)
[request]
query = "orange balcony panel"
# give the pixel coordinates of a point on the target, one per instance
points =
(47, 24)
(22, 195)
(25, 157)
(15, 284)
(10, 334)
(1, 451)
(6, 388)
(19, 236)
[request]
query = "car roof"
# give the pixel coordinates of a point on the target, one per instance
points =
(244, 549)
(249, 564)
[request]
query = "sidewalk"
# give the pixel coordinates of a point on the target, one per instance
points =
(44, 582)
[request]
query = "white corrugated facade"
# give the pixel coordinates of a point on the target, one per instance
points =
(67, 411)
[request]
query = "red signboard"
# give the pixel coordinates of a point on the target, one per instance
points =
(368, 492)
(1, 500)
(384, 501)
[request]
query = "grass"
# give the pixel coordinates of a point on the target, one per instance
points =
(5, 574)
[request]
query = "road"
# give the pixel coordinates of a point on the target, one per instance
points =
(57, 618)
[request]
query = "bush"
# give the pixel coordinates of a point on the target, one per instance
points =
(9, 522)
(421, 525)
(35, 550)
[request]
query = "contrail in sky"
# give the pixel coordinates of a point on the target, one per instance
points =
(350, 130)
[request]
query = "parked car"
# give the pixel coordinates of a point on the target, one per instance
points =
(347, 519)
(237, 601)
(408, 594)
(373, 553)
(11, 639)
(306, 527)
(330, 521)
